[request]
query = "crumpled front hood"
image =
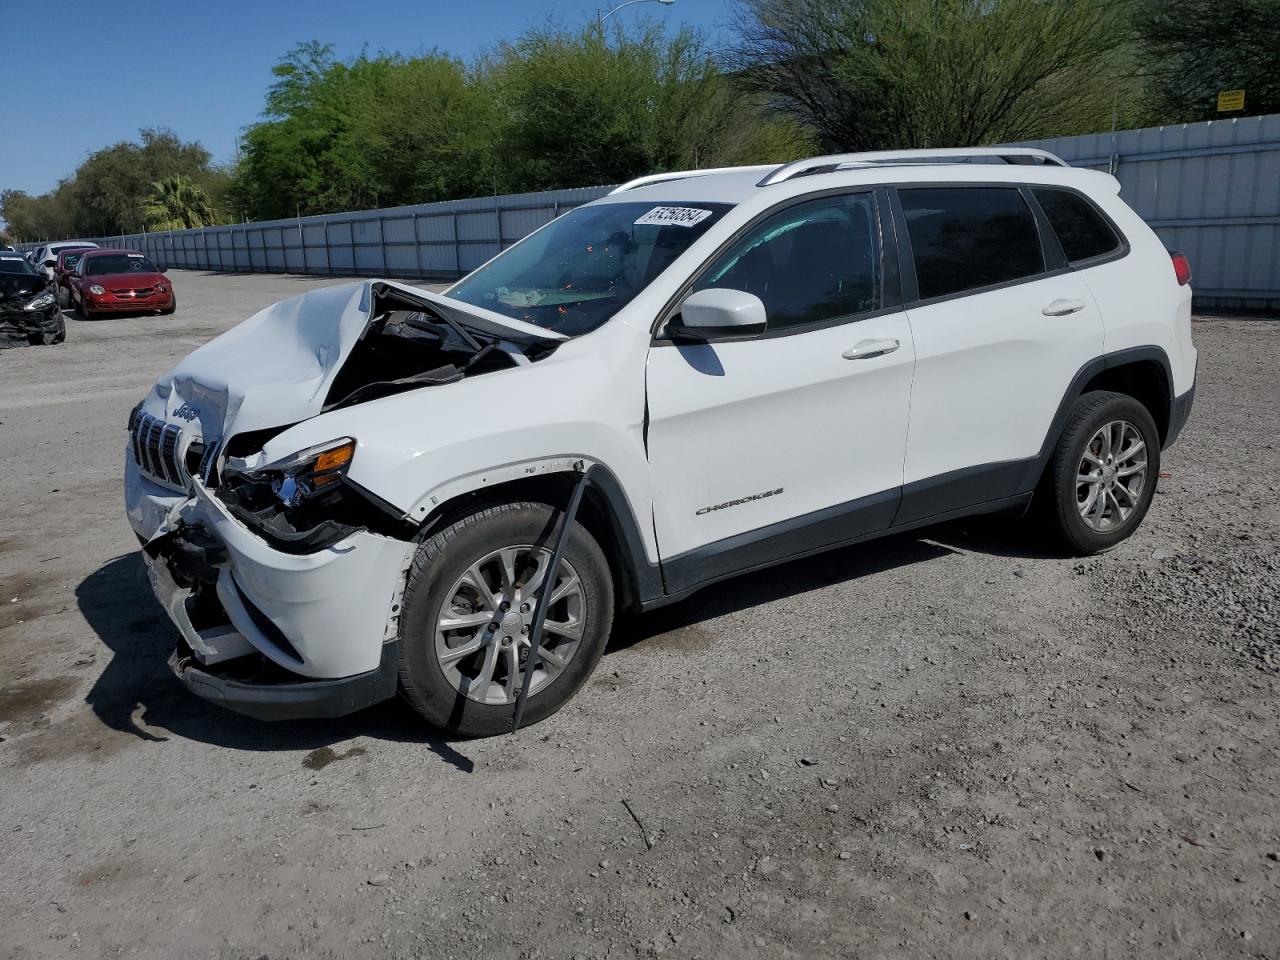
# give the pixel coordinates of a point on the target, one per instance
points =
(20, 286)
(271, 369)
(276, 367)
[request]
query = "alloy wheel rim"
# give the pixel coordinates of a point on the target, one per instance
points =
(1111, 476)
(484, 624)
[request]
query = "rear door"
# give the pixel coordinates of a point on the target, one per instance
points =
(1001, 326)
(770, 446)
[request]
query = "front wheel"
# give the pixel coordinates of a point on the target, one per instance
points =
(468, 612)
(1102, 476)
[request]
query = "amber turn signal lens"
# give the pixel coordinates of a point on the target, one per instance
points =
(336, 459)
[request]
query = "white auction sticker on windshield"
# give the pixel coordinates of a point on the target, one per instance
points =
(673, 217)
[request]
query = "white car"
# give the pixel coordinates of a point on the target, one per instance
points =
(359, 490)
(45, 258)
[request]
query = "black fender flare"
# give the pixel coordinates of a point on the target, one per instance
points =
(604, 498)
(1109, 361)
(646, 584)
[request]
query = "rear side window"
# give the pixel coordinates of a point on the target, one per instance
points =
(1081, 230)
(812, 262)
(963, 238)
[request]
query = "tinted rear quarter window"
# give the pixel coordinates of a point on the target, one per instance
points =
(963, 238)
(1082, 230)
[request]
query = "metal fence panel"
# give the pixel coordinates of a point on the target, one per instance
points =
(1209, 189)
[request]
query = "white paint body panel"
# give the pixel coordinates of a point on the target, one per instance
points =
(1140, 306)
(991, 370)
(729, 420)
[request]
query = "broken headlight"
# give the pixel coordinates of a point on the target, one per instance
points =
(298, 502)
(40, 301)
(307, 473)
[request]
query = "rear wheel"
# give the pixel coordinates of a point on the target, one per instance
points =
(1102, 476)
(468, 612)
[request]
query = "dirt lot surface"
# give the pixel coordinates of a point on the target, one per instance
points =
(940, 745)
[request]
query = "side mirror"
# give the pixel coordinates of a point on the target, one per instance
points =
(51, 263)
(718, 314)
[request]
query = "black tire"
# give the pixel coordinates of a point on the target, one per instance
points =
(441, 560)
(1057, 502)
(169, 310)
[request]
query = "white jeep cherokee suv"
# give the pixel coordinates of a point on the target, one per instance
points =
(359, 490)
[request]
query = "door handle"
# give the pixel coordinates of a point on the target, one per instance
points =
(867, 349)
(1060, 308)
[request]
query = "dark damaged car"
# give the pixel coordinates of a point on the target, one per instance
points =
(29, 311)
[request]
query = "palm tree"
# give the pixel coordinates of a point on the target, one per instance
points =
(176, 203)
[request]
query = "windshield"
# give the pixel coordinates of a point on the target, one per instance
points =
(96, 266)
(578, 271)
(14, 263)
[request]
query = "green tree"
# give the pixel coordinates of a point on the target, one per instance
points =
(1195, 48)
(48, 216)
(176, 203)
(109, 191)
(875, 74)
(364, 133)
(586, 107)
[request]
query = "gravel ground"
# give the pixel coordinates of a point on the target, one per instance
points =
(939, 745)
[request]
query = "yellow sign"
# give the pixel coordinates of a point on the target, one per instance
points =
(1230, 100)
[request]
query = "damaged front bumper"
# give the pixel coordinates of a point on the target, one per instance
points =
(265, 699)
(270, 634)
(19, 327)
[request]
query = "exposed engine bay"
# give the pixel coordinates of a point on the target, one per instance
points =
(407, 341)
(406, 346)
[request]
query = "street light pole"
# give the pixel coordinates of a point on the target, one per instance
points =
(600, 20)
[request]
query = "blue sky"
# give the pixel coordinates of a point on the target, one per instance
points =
(95, 72)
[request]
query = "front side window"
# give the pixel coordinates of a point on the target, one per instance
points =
(1081, 230)
(812, 262)
(963, 238)
(578, 271)
(99, 266)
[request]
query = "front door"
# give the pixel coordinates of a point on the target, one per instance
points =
(769, 447)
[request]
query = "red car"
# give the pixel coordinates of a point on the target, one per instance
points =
(120, 281)
(68, 257)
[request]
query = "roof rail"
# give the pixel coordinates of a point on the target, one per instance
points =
(844, 161)
(685, 174)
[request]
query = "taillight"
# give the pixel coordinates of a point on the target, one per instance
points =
(1181, 267)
